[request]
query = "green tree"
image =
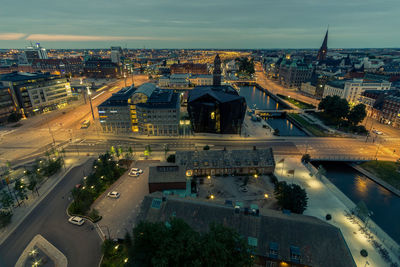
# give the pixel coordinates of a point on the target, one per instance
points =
(357, 114)
(20, 188)
(147, 151)
(245, 65)
(291, 197)
(206, 147)
(175, 243)
(33, 181)
(6, 200)
(171, 158)
(334, 107)
(112, 150)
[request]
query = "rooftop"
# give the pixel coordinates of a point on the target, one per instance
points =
(119, 98)
(167, 173)
(223, 93)
(316, 242)
(163, 99)
(23, 76)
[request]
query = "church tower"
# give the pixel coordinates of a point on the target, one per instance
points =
(217, 71)
(324, 49)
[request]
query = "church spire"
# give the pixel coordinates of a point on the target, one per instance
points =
(217, 71)
(324, 48)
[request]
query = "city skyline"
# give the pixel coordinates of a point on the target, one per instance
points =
(181, 24)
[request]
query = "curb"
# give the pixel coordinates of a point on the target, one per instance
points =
(35, 204)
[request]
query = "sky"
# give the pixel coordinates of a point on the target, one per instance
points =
(199, 24)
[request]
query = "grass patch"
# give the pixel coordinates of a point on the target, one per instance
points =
(341, 125)
(314, 129)
(385, 170)
(297, 103)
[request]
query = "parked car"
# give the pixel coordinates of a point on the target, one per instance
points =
(76, 220)
(140, 171)
(377, 132)
(133, 173)
(113, 194)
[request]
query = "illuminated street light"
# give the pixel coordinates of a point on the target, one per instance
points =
(266, 195)
(208, 177)
(212, 196)
(90, 100)
(83, 188)
(84, 178)
(255, 175)
(126, 260)
(116, 247)
(92, 186)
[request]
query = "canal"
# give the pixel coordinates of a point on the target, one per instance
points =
(357, 187)
(257, 99)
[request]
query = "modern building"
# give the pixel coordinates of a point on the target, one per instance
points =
(141, 95)
(222, 162)
(37, 92)
(114, 113)
(217, 110)
(294, 72)
(116, 54)
(7, 104)
(101, 68)
(351, 90)
(168, 177)
(323, 51)
(189, 68)
(35, 52)
(279, 239)
(159, 115)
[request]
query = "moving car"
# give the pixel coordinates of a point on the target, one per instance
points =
(113, 194)
(76, 220)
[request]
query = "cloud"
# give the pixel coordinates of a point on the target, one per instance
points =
(12, 36)
(88, 38)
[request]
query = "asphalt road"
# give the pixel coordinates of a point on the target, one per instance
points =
(80, 244)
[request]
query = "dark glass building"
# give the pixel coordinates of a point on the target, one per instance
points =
(216, 109)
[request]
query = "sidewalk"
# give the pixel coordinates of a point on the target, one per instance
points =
(325, 198)
(20, 213)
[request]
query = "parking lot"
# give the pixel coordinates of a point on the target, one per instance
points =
(258, 190)
(119, 214)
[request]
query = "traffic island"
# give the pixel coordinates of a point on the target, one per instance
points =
(40, 252)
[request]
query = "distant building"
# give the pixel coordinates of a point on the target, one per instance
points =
(62, 66)
(116, 54)
(294, 72)
(391, 110)
(220, 162)
(37, 92)
(324, 48)
(217, 71)
(278, 239)
(35, 52)
(7, 104)
(159, 115)
(189, 68)
(101, 68)
(114, 113)
(217, 110)
(351, 90)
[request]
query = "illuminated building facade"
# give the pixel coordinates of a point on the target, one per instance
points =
(7, 104)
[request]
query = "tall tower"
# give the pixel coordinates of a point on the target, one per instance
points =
(217, 71)
(324, 48)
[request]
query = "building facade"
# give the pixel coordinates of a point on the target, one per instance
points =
(7, 105)
(217, 110)
(114, 113)
(37, 92)
(141, 95)
(62, 66)
(189, 68)
(159, 115)
(294, 72)
(101, 68)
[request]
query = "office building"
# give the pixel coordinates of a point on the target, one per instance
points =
(294, 72)
(141, 95)
(114, 113)
(217, 110)
(7, 104)
(351, 90)
(35, 52)
(278, 239)
(159, 115)
(116, 54)
(59, 66)
(37, 92)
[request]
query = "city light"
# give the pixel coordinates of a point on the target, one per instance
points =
(255, 175)
(266, 195)
(208, 177)
(212, 196)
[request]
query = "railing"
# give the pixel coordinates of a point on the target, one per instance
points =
(340, 158)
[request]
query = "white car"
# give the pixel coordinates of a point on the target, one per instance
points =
(140, 171)
(377, 132)
(76, 220)
(133, 173)
(113, 194)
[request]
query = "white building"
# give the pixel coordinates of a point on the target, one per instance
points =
(351, 90)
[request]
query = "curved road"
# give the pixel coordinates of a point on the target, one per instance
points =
(80, 244)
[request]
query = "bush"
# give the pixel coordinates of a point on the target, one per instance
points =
(291, 197)
(171, 159)
(328, 217)
(5, 218)
(94, 215)
(364, 253)
(206, 147)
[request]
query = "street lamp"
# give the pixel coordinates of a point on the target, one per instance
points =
(125, 78)
(90, 101)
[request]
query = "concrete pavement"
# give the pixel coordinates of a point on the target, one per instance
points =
(325, 198)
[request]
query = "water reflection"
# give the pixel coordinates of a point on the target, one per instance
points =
(357, 187)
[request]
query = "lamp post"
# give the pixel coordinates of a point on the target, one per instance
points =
(125, 78)
(90, 101)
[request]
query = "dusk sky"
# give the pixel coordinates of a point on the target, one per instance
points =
(199, 24)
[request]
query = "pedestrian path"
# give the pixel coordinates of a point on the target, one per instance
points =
(324, 198)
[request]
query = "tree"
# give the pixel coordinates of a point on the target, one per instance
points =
(171, 158)
(356, 114)
(306, 158)
(147, 151)
(291, 197)
(245, 65)
(175, 243)
(6, 200)
(33, 181)
(334, 107)
(206, 147)
(20, 188)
